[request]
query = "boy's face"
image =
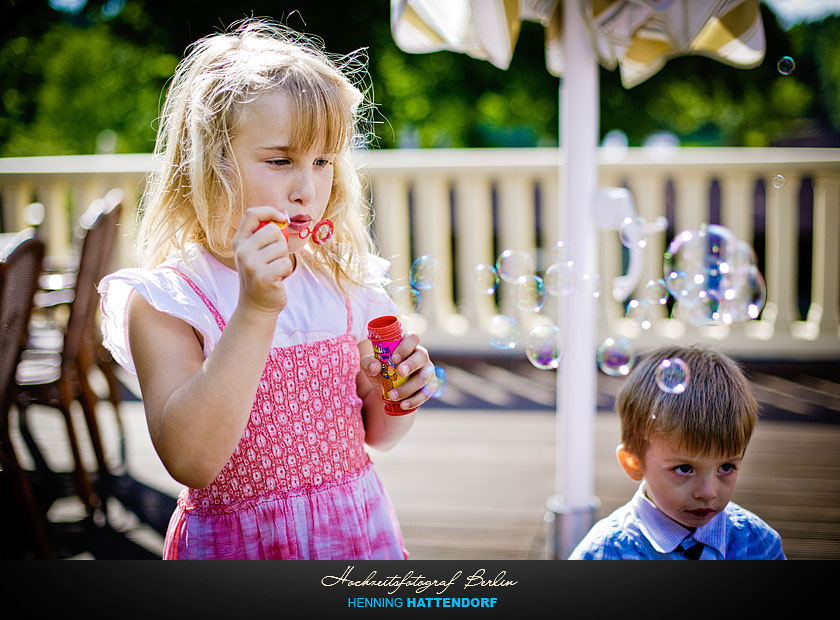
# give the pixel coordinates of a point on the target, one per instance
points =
(689, 488)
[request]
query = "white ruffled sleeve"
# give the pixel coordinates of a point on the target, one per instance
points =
(166, 291)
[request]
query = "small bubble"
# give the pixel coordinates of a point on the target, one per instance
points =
(672, 375)
(778, 181)
(503, 332)
(544, 347)
(407, 299)
(530, 293)
(442, 382)
(786, 65)
(632, 232)
(615, 357)
(512, 265)
(560, 278)
(424, 273)
(642, 312)
(486, 279)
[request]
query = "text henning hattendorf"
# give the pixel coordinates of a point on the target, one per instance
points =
(420, 582)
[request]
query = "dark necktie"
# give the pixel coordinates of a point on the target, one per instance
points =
(694, 551)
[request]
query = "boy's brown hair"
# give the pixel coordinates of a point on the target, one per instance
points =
(715, 415)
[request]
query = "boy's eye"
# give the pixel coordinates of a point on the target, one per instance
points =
(683, 469)
(727, 468)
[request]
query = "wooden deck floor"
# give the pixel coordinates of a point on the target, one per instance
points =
(472, 483)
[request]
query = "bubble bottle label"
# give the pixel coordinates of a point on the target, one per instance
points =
(385, 334)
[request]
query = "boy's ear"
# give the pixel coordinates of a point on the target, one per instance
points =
(629, 463)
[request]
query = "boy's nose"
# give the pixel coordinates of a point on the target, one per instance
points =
(705, 489)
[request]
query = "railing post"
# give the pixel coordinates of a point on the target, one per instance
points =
(517, 230)
(432, 229)
(737, 196)
(16, 196)
(474, 223)
(825, 285)
(391, 221)
(782, 227)
(56, 225)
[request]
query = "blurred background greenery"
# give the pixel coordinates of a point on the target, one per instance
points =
(86, 76)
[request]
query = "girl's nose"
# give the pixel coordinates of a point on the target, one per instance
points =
(302, 190)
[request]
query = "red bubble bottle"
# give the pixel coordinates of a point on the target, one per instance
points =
(385, 334)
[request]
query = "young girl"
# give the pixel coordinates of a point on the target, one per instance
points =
(250, 342)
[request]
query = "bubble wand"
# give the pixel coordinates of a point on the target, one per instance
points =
(320, 233)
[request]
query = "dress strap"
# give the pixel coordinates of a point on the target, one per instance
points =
(219, 320)
(349, 314)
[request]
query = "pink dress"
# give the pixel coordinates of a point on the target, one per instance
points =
(299, 485)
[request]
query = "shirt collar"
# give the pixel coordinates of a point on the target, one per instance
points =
(665, 534)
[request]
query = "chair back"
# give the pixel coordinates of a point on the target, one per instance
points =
(20, 267)
(98, 232)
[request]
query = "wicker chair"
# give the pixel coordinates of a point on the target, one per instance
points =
(54, 371)
(20, 266)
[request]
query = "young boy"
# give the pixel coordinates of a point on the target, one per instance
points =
(685, 448)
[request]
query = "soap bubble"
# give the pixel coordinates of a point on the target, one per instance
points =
(504, 332)
(512, 265)
(529, 293)
(563, 251)
(486, 279)
(713, 276)
(544, 347)
(786, 65)
(631, 231)
(615, 357)
(656, 292)
(424, 273)
(560, 278)
(744, 300)
(778, 181)
(643, 312)
(440, 386)
(407, 299)
(590, 284)
(672, 375)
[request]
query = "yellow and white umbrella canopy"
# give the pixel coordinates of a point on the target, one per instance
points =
(638, 36)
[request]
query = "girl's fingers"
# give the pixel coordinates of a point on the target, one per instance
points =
(415, 390)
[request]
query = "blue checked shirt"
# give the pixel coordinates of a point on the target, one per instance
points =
(640, 531)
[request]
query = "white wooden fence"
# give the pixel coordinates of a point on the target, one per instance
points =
(464, 206)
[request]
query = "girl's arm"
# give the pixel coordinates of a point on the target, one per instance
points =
(197, 408)
(383, 431)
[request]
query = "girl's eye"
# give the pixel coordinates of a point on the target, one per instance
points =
(278, 162)
(322, 162)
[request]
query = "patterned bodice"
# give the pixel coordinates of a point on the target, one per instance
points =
(305, 429)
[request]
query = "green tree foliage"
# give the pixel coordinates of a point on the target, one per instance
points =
(68, 76)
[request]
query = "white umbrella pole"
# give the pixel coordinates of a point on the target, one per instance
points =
(574, 505)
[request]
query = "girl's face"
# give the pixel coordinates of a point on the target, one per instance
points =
(298, 181)
(689, 488)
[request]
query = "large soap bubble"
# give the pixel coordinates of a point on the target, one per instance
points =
(713, 276)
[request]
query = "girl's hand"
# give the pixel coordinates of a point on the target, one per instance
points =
(262, 260)
(412, 361)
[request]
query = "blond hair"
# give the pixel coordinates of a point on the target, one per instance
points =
(193, 195)
(715, 415)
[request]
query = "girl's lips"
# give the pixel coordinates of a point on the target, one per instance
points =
(299, 222)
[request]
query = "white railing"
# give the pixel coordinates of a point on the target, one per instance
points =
(464, 206)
